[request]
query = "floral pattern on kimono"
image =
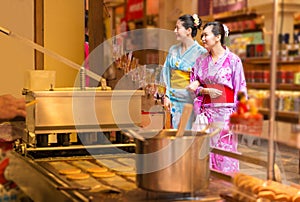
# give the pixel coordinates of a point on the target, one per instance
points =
(183, 62)
(227, 71)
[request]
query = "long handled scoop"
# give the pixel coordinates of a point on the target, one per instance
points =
(186, 113)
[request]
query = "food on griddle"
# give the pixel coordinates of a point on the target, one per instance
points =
(79, 176)
(69, 171)
(128, 174)
(96, 170)
(123, 169)
(103, 174)
(64, 167)
(89, 166)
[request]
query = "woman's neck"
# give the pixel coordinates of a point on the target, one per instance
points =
(186, 44)
(217, 52)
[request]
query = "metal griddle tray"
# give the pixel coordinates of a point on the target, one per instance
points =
(118, 183)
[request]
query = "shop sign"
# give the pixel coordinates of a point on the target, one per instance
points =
(135, 9)
(220, 6)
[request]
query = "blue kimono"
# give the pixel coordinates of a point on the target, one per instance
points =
(176, 75)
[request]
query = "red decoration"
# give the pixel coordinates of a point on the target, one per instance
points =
(135, 9)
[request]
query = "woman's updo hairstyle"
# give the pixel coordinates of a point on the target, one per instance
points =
(218, 28)
(191, 21)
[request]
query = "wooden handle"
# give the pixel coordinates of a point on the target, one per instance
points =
(168, 120)
(186, 113)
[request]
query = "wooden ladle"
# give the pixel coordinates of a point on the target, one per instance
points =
(186, 113)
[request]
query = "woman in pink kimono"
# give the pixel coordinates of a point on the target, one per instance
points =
(216, 79)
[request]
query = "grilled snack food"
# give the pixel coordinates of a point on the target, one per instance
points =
(64, 168)
(266, 195)
(296, 198)
(282, 197)
(96, 169)
(103, 174)
(69, 171)
(79, 176)
(261, 189)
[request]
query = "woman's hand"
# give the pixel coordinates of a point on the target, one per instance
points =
(10, 107)
(193, 86)
(167, 103)
(212, 92)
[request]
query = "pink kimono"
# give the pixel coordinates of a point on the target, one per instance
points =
(228, 73)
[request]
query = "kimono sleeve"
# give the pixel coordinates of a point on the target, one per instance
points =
(239, 81)
(194, 75)
(166, 74)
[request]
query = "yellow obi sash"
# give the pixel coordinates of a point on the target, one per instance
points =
(179, 79)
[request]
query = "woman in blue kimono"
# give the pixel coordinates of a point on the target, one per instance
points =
(177, 67)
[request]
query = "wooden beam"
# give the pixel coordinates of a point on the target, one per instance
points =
(39, 33)
(96, 23)
(96, 36)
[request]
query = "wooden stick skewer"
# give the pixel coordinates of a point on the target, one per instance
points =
(31, 103)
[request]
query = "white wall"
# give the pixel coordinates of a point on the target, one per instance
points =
(15, 56)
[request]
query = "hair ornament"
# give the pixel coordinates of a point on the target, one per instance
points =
(196, 20)
(226, 30)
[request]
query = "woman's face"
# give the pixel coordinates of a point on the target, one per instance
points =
(181, 32)
(209, 39)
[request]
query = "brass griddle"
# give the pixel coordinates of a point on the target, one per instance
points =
(43, 183)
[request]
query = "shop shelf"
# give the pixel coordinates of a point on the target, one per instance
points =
(267, 60)
(231, 16)
(245, 31)
(266, 86)
(290, 117)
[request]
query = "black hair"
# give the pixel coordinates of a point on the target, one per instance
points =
(188, 21)
(86, 21)
(86, 18)
(217, 29)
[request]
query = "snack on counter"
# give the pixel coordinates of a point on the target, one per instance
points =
(246, 119)
(69, 171)
(79, 176)
(64, 168)
(249, 188)
(103, 174)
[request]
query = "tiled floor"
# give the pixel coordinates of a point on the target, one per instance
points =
(286, 158)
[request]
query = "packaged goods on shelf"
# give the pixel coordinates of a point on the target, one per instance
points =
(261, 96)
(297, 78)
(285, 77)
(263, 76)
(255, 50)
(238, 42)
(288, 101)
